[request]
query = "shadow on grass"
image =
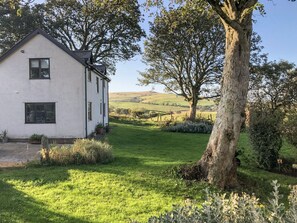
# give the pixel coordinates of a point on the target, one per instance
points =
(18, 207)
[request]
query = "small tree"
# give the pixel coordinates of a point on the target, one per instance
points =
(274, 86)
(275, 83)
(185, 53)
(265, 135)
(290, 127)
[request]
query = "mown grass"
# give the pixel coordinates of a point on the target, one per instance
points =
(137, 185)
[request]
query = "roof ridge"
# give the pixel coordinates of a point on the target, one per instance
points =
(30, 36)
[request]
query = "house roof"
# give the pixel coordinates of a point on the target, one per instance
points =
(30, 36)
(81, 56)
(101, 68)
(85, 55)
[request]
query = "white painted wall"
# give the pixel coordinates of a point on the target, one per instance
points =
(65, 88)
(94, 97)
(97, 102)
(106, 101)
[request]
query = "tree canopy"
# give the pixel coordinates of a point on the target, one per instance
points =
(275, 83)
(185, 54)
(110, 29)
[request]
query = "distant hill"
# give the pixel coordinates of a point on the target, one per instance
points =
(155, 101)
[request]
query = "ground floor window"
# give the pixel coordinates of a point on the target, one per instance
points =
(40, 112)
(104, 109)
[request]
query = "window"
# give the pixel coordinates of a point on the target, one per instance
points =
(97, 84)
(90, 76)
(39, 68)
(104, 109)
(90, 111)
(40, 113)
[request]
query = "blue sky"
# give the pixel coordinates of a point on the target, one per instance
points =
(278, 30)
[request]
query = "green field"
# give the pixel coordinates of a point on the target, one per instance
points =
(137, 185)
(154, 101)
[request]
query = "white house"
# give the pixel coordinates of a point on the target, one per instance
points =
(47, 89)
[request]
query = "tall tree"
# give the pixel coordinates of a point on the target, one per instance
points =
(17, 19)
(185, 53)
(110, 29)
(218, 165)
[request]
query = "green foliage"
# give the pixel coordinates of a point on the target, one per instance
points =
(290, 127)
(265, 136)
(35, 138)
(275, 83)
(243, 208)
(83, 151)
(190, 127)
(3, 136)
(110, 29)
(15, 25)
(184, 53)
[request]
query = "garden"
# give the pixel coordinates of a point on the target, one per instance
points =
(138, 183)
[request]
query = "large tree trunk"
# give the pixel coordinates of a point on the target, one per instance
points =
(218, 165)
(193, 109)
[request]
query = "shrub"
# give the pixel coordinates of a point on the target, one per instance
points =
(265, 136)
(235, 208)
(83, 151)
(35, 138)
(190, 127)
(290, 128)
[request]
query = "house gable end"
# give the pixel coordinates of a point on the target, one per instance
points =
(30, 36)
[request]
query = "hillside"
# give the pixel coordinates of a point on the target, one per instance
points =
(154, 101)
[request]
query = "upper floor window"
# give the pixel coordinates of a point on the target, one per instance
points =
(97, 84)
(40, 112)
(90, 76)
(40, 68)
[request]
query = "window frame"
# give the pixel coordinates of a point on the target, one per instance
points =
(40, 103)
(90, 111)
(90, 75)
(97, 84)
(104, 109)
(39, 61)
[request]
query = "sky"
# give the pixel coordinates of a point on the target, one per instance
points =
(278, 30)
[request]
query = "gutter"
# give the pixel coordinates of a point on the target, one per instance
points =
(103, 107)
(86, 103)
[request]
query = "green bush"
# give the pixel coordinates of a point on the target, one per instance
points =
(35, 138)
(265, 136)
(290, 127)
(190, 127)
(83, 151)
(235, 208)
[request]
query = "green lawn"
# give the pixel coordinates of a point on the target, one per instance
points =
(135, 186)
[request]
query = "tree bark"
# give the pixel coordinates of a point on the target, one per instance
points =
(193, 109)
(218, 165)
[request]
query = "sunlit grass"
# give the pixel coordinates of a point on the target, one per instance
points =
(137, 185)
